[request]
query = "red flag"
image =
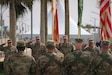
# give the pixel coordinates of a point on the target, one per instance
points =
(105, 20)
(55, 30)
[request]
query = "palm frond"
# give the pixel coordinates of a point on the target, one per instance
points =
(28, 3)
(20, 9)
(4, 2)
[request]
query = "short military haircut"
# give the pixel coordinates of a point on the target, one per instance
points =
(78, 40)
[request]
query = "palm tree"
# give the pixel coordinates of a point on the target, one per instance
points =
(43, 26)
(16, 8)
(12, 22)
(67, 18)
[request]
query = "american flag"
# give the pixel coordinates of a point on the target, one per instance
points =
(105, 20)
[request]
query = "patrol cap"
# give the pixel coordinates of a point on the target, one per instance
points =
(65, 37)
(9, 41)
(37, 37)
(106, 42)
(78, 40)
(91, 40)
(50, 44)
(20, 43)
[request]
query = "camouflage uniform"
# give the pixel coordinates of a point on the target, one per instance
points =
(102, 64)
(38, 49)
(50, 63)
(94, 50)
(76, 63)
(59, 54)
(65, 47)
(110, 50)
(20, 63)
(8, 51)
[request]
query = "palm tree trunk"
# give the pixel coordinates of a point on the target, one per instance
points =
(12, 22)
(42, 26)
(67, 18)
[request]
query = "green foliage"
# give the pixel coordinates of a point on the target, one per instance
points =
(21, 6)
(20, 9)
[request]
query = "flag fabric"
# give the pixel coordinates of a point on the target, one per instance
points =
(55, 30)
(105, 20)
(80, 11)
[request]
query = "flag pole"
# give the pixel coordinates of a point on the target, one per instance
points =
(80, 11)
(79, 31)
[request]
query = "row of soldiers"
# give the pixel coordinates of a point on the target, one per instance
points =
(58, 59)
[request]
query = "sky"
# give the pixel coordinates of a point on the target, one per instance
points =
(90, 13)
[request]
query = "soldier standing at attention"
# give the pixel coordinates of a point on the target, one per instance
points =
(76, 63)
(92, 48)
(65, 47)
(102, 64)
(50, 63)
(38, 48)
(20, 63)
(8, 50)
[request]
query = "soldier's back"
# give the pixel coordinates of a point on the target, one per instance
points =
(102, 64)
(76, 63)
(94, 51)
(49, 64)
(21, 64)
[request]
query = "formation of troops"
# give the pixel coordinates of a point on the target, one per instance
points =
(58, 59)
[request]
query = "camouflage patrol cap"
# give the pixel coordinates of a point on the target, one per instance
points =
(20, 43)
(9, 41)
(91, 40)
(50, 43)
(37, 37)
(106, 42)
(78, 40)
(65, 37)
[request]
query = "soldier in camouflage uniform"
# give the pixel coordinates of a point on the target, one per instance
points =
(20, 63)
(8, 50)
(76, 63)
(102, 64)
(38, 48)
(110, 47)
(50, 63)
(92, 48)
(65, 47)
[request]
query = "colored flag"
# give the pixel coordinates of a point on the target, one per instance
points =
(55, 30)
(80, 11)
(105, 20)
